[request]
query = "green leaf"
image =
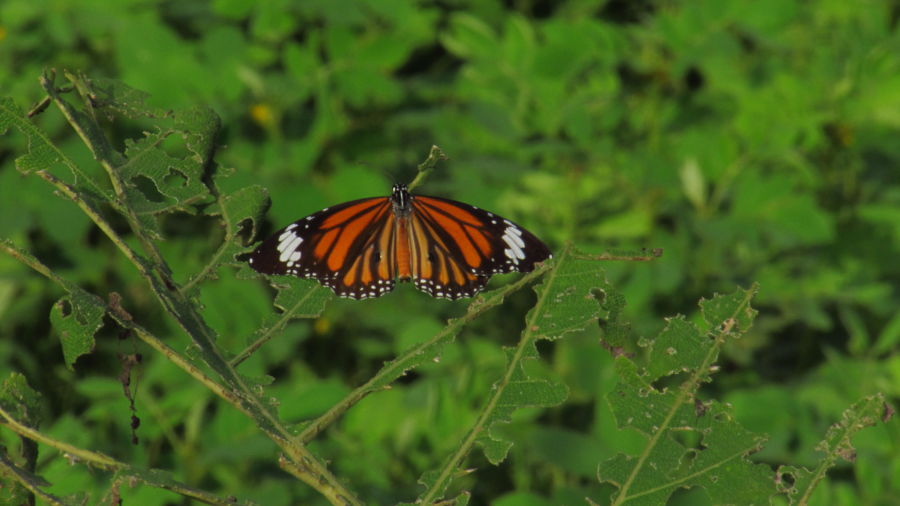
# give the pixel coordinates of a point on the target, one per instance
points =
(469, 37)
(297, 298)
(732, 312)
(566, 303)
(160, 182)
(799, 482)
(77, 317)
(690, 443)
(42, 153)
(19, 401)
(240, 209)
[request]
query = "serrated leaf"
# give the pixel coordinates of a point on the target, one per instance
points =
(160, 182)
(732, 311)
(679, 347)
(566, 303)
(19, 401)
(837, 445)
(296, 298)
(244, 206)
(42, 153)
(118, 96)
(672, 418)
(77, 317)
(157, 179)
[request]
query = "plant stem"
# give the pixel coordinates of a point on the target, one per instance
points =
(425, 168)
(395, 368)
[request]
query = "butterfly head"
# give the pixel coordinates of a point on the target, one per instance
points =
(400, 199)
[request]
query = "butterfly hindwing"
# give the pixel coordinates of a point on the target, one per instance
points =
(461, 246)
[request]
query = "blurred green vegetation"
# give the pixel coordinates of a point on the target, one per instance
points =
(755, 141)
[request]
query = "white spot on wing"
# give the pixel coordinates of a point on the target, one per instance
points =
(288, 246)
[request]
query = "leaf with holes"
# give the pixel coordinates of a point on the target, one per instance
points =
(689, 443)
(566, 302)
(240, 212)
(798, 482)
(43, 154)
(162, 177)
(77, 317)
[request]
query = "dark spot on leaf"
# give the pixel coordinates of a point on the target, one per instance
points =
(65, 307)
(847, 453)
(699, 408)
(408, 377)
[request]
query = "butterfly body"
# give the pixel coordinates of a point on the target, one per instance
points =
(359, 249)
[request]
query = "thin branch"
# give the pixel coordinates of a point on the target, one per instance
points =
(453, 463)
(644, 255)
(395, 368)
(31, 482)
(685, 392)
(106, 462)
(425, 168)
(99, 220)
(184, 311)
(270, 332)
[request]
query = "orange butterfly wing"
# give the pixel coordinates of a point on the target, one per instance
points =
(455, 247)
(348, 248)
(358, 249)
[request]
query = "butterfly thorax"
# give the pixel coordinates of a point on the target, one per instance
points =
(400, 199)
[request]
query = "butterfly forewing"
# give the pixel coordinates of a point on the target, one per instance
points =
(448, 249)
(337, 246)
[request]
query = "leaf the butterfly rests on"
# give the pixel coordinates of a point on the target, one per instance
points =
(448, 249)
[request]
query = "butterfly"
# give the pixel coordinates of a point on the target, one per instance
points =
(359, 249)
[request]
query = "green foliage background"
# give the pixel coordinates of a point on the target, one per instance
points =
(755, 141)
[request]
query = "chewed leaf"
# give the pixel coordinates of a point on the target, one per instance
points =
(519, 391)
(42, 153)
(680, 347)
(77, 317)
(297, 298)
(122, 98)
(566, 299)
(21, 403)
(689, 443)
(798, 482)
(238, 210)
(161, 180)
(566, 303)
(732, 311)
